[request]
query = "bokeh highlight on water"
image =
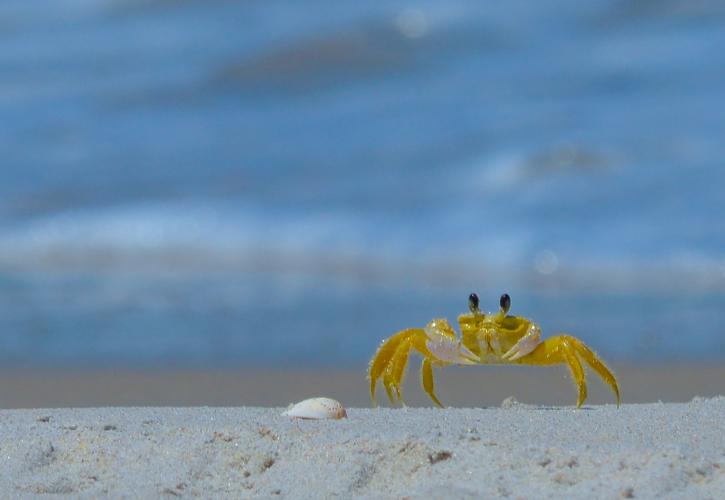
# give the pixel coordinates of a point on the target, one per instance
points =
(248, 183)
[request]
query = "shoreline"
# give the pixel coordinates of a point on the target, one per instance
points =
(476, 386)
(672, 450)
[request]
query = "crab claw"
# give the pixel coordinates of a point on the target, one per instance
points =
(525, 345)
(447, 348)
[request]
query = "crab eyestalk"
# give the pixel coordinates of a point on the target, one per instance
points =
(473, 304)
(505, 304)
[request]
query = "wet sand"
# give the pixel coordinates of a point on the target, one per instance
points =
(477, 386)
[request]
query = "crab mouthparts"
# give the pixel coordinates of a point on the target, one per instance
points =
(450, 350)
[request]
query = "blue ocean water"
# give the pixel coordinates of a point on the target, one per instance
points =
(245, 183)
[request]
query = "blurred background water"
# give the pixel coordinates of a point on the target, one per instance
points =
(218, 183)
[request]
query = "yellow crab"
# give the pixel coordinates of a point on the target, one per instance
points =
(486, 339)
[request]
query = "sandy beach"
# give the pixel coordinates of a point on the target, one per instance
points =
(506, 433)
(673, 450)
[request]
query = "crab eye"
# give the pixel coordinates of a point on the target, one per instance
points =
(505, 302)
(473, 302)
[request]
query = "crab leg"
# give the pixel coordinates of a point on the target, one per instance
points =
(392, 353)
(395, 371)
(577, 372)
(437, 343)
(565, 349)
(426, 375)
(597, 365)
(380, 361)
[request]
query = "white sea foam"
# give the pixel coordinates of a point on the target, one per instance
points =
(196, 238)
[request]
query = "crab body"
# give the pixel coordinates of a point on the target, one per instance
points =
(485, 339)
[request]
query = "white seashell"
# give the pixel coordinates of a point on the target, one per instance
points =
(316, 408)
